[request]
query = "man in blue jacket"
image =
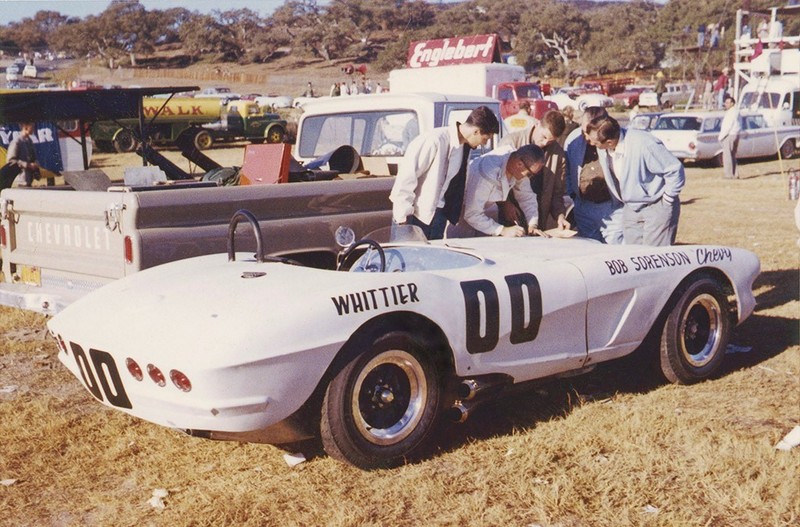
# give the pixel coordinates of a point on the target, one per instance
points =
(644, 176)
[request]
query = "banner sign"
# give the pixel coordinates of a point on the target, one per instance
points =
(45, 140)
(449, 51)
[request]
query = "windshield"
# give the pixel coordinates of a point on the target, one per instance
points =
(755, 100)
(678, 123)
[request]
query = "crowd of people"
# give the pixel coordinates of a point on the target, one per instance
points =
(625, 185)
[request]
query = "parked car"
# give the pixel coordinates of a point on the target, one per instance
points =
(218, 92)
(564, 97)
(630, 97)
(676, 93)
(645, 120)
(373, 356)
(12, 73)
(30, 71)
(692, 136)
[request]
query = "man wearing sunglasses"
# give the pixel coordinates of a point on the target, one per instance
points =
(550, 185)
(490, 180)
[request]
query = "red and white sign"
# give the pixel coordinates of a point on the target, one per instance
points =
(449, 51)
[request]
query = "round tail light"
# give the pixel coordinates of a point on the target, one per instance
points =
(180, 380)
(134, 369)
(156, 375)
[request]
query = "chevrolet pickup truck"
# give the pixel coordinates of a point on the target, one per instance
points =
(58, 243)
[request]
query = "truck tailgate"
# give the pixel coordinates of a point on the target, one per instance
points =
(59, 244)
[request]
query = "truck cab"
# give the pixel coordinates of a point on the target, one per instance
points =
(511, 94)
(378, 127)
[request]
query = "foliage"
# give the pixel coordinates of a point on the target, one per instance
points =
(567, 37)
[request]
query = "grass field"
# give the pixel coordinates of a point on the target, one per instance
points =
(612, 448)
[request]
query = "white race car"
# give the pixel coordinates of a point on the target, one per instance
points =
(372, 357)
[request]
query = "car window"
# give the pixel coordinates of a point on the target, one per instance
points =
(378, 133)
(712, 124)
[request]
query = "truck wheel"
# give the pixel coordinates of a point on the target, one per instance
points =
(788, 149)
(203, 140)
(696, 332)
(124, 141)
(276, 134)
(383, 405)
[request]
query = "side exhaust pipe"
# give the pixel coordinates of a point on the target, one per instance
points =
(472, 392)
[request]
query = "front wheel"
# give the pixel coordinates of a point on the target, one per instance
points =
(696, 332)
(203, 140)
(383, 406)
(275, 134)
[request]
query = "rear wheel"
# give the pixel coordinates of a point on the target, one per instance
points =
(788, 149)
(696, 332)
(383, 406)
(124, 141)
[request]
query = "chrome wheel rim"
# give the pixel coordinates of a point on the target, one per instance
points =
(389, 397)
(701, 330)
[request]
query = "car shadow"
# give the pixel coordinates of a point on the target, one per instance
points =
(783, 287)
(523, 408)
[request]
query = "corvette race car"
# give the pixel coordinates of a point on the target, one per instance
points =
(371, 357)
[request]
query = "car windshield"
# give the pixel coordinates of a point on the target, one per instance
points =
(678, 123)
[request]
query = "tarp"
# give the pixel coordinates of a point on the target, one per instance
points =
(85, 105)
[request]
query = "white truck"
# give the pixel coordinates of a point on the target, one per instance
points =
(504, 82)
(379, 127)
(57, 245)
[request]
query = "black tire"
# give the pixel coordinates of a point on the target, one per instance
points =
(202, 140)
(696, 332)
(382, 408)
(125, 141)
(788, 149)
(275, 134)
(717, 161)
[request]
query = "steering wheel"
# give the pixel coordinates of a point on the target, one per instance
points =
(372, 245)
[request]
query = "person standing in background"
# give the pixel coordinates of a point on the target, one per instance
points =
(22, 153)
(645, 176)
(729, 137)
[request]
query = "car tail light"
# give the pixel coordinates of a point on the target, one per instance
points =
(156, 375)
(128, 249)
(134, 369)
(692, 146)
(180, 380)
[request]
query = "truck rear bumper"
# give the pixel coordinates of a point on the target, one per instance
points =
(47, 301)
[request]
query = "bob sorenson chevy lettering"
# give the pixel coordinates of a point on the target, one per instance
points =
(92, 237)
(393, 295)
(647, 262)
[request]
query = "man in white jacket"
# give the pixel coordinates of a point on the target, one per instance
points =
(490, 179)
(729, 137)
(429, 188)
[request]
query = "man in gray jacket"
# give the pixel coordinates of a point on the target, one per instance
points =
(644, 176)
(21, 152)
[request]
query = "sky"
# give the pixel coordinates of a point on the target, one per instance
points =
(16, 10)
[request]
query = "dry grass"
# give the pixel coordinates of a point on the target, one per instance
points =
(612, 448)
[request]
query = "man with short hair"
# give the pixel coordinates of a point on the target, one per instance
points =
(429, 188)
(729, 137)
(520, 120)
(644, 176)
(550, 184)
(491, 177)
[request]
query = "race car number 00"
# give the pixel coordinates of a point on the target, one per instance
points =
(480, 298)
(106, 370)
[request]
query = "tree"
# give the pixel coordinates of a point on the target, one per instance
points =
(552, 35)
